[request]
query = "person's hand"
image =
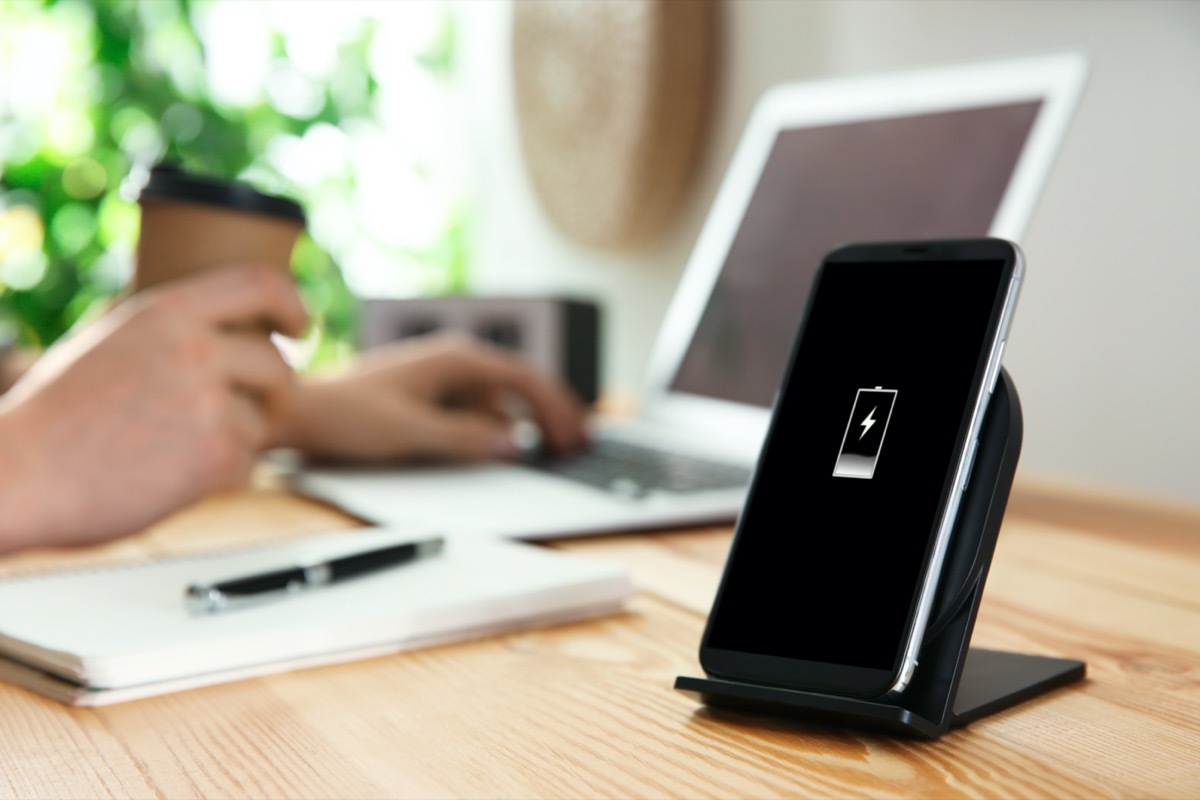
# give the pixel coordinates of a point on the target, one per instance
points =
(168, 397)
(444, 396)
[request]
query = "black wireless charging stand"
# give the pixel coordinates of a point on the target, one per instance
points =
(954, 683)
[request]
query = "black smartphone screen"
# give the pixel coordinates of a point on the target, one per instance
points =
(831, 547)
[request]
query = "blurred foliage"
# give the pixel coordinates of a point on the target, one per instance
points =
(135, 92)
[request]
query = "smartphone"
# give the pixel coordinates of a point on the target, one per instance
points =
(837, 550)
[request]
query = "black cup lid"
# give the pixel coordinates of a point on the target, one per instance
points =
(169, 182)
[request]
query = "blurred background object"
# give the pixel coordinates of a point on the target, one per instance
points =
(345, 108)
(560, 335)
(612, 102)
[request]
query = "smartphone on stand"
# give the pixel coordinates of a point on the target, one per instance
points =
(837, 552)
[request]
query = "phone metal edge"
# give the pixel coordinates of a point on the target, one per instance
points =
(908, 663)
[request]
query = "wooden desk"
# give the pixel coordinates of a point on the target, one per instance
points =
(588, 710)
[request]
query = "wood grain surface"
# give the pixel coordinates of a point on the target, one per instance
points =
(588, 710)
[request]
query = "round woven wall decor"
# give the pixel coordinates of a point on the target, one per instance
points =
(611, 100)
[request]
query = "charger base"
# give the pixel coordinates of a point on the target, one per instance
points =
(991, 681)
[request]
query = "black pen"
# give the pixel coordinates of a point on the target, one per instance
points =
(237, 592)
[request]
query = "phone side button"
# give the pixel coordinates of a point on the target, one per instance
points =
(970, 464)
(996, 367)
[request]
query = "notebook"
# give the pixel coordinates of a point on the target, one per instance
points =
(952, 151)
(107, 635)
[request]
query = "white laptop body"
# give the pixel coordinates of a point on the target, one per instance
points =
(952, 151)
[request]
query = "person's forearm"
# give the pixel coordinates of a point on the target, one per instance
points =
(322, 421)
(14, 363)
(291, 426)
(18, 498)
(6, 352)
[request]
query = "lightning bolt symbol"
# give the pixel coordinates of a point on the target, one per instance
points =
(867, 423)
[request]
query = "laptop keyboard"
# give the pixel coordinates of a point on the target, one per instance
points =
(636, 470)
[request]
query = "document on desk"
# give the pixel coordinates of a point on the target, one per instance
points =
(110, 634)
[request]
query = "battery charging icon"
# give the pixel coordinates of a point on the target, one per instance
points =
(863, 439)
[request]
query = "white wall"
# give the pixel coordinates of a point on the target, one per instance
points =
(1106, 345)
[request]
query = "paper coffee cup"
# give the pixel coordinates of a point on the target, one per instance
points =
(191, 223)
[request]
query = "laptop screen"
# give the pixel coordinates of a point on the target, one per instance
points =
(933, 175)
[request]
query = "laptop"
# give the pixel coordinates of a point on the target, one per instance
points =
(951, 151)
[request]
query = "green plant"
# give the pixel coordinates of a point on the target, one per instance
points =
(92, 91)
